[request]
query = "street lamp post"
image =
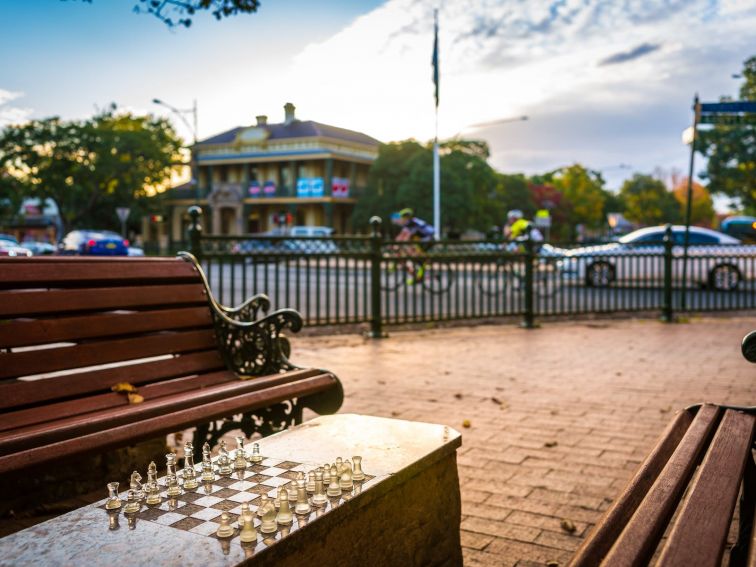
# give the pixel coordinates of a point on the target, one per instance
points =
(193, 127)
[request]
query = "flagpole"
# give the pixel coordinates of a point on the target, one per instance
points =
(436, 160)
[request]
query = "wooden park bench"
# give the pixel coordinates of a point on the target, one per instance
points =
(686, 489)
(73, 330)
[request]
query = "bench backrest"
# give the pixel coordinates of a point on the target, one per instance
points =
(95, 322)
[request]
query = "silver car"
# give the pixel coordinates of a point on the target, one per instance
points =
(715, 260)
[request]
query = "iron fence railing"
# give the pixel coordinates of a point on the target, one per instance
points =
(366, 279)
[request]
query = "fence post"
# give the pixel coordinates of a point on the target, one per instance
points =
(667, 315)
(528, 321)
(376, 324)
(195, 232)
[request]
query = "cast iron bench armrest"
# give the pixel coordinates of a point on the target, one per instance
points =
(748, 347)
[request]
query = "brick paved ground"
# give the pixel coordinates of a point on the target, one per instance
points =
(560, 416)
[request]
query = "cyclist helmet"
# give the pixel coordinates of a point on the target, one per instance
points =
(406, 213)
(514, 214)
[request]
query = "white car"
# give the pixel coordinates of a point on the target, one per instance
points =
(715, 260)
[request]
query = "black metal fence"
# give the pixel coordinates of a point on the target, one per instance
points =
(366, 279)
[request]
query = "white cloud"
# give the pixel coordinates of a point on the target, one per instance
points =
(11, 114)
(535, 57)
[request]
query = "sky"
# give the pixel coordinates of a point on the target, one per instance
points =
(608, 84)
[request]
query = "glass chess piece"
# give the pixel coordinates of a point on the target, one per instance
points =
(261, 506)
(224, 461)
(255, 457)
(240, 457)
(131, 520)
(113, 501)
(208, 474)
(135, 484)
(174, 489)
(133, 505)
(345, 481)
(334, 489)
(291, 491)
(319, 498)
(113, 519)
(310, 486)
(284, 512)
(302, 506)
(153, 493)
(269, 524)
(338, 464)
(189, 473)
(248, 532)
(357, 473)
(225, 529)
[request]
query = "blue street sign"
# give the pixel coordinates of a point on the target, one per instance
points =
(735, 107)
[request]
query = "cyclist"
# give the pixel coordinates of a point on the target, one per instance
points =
(413, 230)
(518, 229)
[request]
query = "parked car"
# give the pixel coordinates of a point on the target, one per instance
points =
(716, 260)
(740, 227)
(9, 237)
(308, 243)
(135, 251)
(11, 248)
(40, 248)
(94, 243)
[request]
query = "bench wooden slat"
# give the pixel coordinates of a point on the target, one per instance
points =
(29, 303)
(76, 426)
(101, 325)
(80, 406)
(101, 352)
(700, 532)
(616, 518)
(82, 274)
(636, 544)
(23, 393)
(162, 424)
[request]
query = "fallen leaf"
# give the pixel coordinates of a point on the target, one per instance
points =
(567, 526)
(550, 444)
(123, 387)
(554, 412)
(458, 396)
(135, 398)
(497, 401)
(382, 382)
(394, 413)
(466, 424)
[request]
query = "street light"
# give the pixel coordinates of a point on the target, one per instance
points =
(193, 128)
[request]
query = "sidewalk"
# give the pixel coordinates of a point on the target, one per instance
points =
(560, 417)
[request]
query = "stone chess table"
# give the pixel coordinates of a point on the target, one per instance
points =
(406, 512)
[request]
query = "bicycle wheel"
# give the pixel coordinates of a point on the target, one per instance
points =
(438, 277)
(546, 279)
(392, 276)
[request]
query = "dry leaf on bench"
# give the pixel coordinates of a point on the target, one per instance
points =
(123, 387)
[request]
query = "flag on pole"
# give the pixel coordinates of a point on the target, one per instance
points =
(434, 62)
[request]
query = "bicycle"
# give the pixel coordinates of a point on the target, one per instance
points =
(509, 274)
(436, 277)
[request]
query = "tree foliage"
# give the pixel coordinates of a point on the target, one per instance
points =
(731, 150)
(647, 201)
(585, 192)
(175, 13)
(702, 207)
(89, 167)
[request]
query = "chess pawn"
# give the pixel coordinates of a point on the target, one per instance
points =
(136, 485)
(113, 501)
(302, 506)
(174, 489)
(153, 494)
(319, 498)
(291, 492)
(152, 473)
(345, 481)
(268, 525)
(248, 532)
(255, 457)
(310, 486)
(208, 474)
(190, 475)
(334, 489)
(132, 503)
(240, 457)
(357, 473)
(261, 506)
(225, 529)
(224, 462)
(284, 512)
(338, 464)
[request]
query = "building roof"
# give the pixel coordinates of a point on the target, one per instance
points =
(295, 129)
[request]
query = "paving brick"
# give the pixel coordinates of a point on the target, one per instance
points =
(500, 529)
(475, 540)
(560, 541)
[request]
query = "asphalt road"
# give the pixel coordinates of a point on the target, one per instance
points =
(337, 291)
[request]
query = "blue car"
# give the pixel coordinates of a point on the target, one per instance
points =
(94, 243)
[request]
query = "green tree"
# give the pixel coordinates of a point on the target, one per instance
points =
(584, 190)
(731, 150)
(647, 201)
(175, 13)
(90, 167)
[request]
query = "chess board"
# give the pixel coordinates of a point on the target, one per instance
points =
(199, 511)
